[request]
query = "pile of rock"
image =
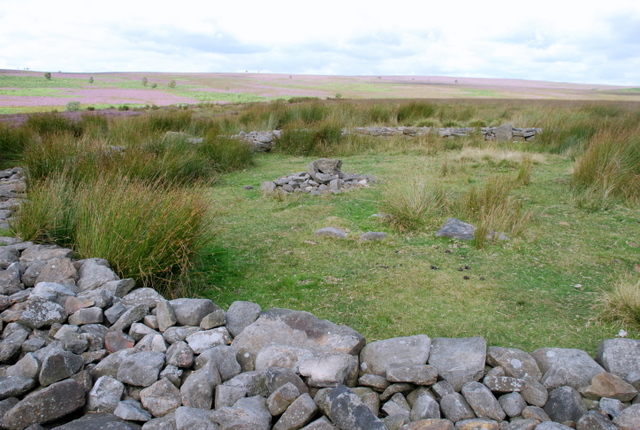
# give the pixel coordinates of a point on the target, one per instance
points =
(509, 133)
(78, 340)
(322, 176)
(12, 189)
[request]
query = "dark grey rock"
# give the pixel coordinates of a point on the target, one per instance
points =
(247, 413)
(141, 369)
(331, 232)
(59, 270)
(168, 422)
(455, 408)
(566, 367)
(8, 256)
(281, 398)
(321, 423)
(254, 383)
(131, 410)
(161, 398)
(59, 366)
(348, 412)
(175, 334)
(135, 314)
(397, 405)
(48, 404)
(629, 419)
(43, 253)
(611, 407)
(377, 357)
(91, 315)
(277, 377)
(376, 382)
(565, 404)
(456, 229)
(14, 336)
(535, 393)
(215, 319)
(240, 315)
(225, 358)
(193, 418)
(619, 356)
(198, 389)
(458, 360)
(28, 366)
(100, 421)
(416, 374)
(119, 287)
(594, 420)
(227, 395)
(14, 386)
(173, 374)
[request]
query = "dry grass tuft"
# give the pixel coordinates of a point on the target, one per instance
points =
(622, 304)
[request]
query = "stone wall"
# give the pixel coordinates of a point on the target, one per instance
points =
(83, 349)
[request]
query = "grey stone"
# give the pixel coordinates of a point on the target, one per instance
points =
(565, 404)
(40, 312)
(227, 395)
(52, 291)
(105, 395)
(173, 374)
(594, 420)
(629, 419)
(191, 311)
(48, 404)
(59, 270)
(10, 280)
(483, 403)
(14, 336)
(116, 340)
(299, 413)
(512, 404)
(398, 387)
(225, 358)
(193, 418)
(348, 412)
(458, 360)
(99, 421)
(416, 374)
(329, 370)
(377, 357)
(515, 362)
(14, 386)
(369, 398)
(425, 407)
(176, 334)
(215, 319)
(160, 398)
(619, 356)
(321, 423)
(277, 377)
(520, 424)
(455, 408)
(138, 330)
(197, 390)
(141, 368)
(504, 384)
(168, 422)
(504, 133)
(372, 235)
(240, 315)
(143, 296)
(200, 341)
(247, 413)
(28, 366)
(296, 328)
(166, 315)
(59, 366)
(456, 229)
(535, 393)
(277, 355)
(397, 405)
(31, 273)
(93, 275)
(254, 383)
(566, 367)
(441, 389)
(152, 342)
(549, 425)
(268, 187)
(44, 253)
(611, 407)
(111, 363)
(86, 316)
(535, 413)
(8, 256)
(331, 232)
(119, 287)
(377, 382)
(114, 312)
(180, 355)
(281, 398)
(130, 316)
(131, 410)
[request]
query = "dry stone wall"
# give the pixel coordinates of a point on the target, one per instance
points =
(83, 349)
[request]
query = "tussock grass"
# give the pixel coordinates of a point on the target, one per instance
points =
(12, 142)
(414, 203)
(496, 156)
(610, 166)
(147, 230)
(621, 305)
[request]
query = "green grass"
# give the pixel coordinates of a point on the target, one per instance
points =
(214, 96)
(527, 298)
(36, 82)
(35, 92)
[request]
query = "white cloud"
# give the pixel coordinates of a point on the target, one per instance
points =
(593, 42)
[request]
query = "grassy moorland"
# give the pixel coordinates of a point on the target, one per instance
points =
(27, 91)
(569, 202)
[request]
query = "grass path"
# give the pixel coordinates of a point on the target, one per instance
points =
(266, 252)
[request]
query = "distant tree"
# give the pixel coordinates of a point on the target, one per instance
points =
(153, 85)
(47, 76)
(91, 80)
(172, 84)
(145, 81)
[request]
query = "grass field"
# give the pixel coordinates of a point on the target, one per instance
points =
(573, 220)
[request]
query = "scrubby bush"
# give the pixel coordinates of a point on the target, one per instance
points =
(73, 106)
(47, 76)
(172, 84)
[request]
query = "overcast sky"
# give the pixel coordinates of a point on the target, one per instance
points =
(595, 42)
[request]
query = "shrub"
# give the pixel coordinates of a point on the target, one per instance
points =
(123, 107)
(172, 84)
(145, 81)
(73, 106)
(622, 304)
(414, 203)
(91, 79)
(154, 85)
(148, 231)
(47, 76)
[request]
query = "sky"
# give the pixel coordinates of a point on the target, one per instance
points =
(593, 42)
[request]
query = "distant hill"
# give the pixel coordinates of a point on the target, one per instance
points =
(22, 91)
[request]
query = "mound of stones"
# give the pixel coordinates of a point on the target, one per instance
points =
(12, 189)
(83, 349)
(323, 176)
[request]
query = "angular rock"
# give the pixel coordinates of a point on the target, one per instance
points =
(173, 374)
(193, 418)
(566, 367)
(8, 256)
(377, 357)
(372, 235)
(215, 319)
(161, 398)
(321, 423)
(515, 362)
(130, 316)
(287, 356)
(14, 386)
(299, 413)
(619, 356)
(611, 386)
(28, 366)
(611, 407)
(117, 340)
(455, 408)
(456, 229)
(247, 413)
(200, 341)
(240, 315)
(197, 390)
(329, 370)
(100, 421)
(504, 133)
(254, 383)
(549, 425)
(59, 270)
(48, 404)
(105, 395)
(191, 311)
(227, 395)
(331, 232)
(535, 393)
(458, 360)
(376, 382)
(91, 315)
(594, 420)
(629, 419)
(120, 287)
(348, 412)
(166, 315)
(176, 334)
(168, 422)
(138, 330)
(277, 377)
(397, 405)
(225, 358)
(416, 374)
(180, 355)
(483, 403)
(512, 404)
(40, 312)
(143, 296)
(141, 369)
(535, 413)
(114, 312)
(59, 366)
(565, 404)
(93, 275)
(504, 384)
(10, 280)
(111, 363)
(281, 398)
(131, 410)
(425, 407)
(44, 253)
